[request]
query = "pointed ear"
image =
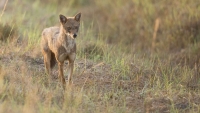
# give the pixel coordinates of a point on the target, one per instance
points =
(63, 19)
(77, 17)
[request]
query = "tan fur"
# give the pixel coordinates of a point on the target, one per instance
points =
(58, 43)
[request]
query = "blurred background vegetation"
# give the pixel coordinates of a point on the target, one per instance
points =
(130, 24)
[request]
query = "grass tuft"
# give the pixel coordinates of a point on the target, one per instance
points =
(8, 32)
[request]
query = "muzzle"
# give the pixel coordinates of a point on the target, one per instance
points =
(75, 35)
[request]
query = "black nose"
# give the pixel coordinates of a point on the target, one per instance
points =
(75, 35)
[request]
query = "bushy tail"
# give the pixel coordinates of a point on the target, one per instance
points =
(53, 60)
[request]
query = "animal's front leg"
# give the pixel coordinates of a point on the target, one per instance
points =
(61, 75)
(72, 58)
(71, 68)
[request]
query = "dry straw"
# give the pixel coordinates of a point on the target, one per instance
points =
(157, 22)
(5, 4)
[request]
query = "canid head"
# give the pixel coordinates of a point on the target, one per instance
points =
(70, 25)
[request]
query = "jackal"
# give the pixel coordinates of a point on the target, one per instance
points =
(58, 44)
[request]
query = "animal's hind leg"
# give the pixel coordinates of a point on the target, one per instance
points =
(47, 59)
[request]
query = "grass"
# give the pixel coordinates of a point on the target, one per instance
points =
(116, 69)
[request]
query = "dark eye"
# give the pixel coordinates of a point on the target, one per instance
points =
(68, 28)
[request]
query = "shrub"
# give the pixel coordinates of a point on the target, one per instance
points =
(7, 32)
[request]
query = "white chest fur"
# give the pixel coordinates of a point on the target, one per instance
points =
(69, 44)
